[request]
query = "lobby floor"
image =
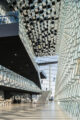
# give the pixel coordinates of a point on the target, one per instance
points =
(32, 112)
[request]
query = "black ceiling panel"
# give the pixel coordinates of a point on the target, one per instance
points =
(14, 56)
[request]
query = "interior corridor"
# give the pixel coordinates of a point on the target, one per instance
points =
(48, 111)
(39, 59)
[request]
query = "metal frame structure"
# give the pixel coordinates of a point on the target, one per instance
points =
(39, 20)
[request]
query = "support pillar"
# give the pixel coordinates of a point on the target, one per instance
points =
(1, 95)
(50, 77)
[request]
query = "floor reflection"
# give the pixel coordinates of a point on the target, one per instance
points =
(32, 112)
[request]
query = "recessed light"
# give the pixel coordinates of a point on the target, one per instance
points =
(15, 54)
(12, 62)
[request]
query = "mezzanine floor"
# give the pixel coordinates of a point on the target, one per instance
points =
(32, 112)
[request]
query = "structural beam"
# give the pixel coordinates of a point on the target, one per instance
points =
(46, 63)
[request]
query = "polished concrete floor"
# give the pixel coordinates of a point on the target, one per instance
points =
(49, 111)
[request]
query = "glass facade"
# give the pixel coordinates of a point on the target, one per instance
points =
(67, 90)
(50, 71)
(40, 20)
(49, 82)
(10, 79)
(6, 16)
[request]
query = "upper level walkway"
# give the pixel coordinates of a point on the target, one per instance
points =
(32, 112)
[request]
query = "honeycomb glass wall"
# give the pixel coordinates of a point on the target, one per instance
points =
(68, 77)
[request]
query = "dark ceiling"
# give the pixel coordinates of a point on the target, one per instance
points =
(14, 56)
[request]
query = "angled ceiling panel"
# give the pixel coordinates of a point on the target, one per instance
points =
(40, 18)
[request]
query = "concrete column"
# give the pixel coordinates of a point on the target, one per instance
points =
(1, 95)
(49, 77)
(31, 97)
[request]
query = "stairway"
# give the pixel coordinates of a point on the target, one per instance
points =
(44, 97)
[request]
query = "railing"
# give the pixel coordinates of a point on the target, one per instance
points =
(9, 78)
(10, 17)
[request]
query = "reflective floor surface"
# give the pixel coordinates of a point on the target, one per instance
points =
(32, 112)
